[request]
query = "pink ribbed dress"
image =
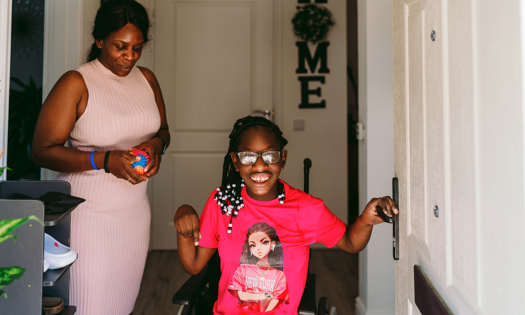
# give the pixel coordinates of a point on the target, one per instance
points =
(110, 231)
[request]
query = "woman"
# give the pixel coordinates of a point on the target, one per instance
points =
(104, 109)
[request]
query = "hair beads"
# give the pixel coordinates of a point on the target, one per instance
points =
(229, 200)
(228, 196)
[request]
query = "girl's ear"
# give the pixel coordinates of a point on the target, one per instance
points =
(235, 160)
(283, 158)
(273, 246)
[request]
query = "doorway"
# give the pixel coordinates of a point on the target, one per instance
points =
(353, 107)
(25, 93)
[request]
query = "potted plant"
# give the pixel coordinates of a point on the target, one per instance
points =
(9, 274)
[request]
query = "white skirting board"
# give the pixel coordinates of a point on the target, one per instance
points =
(360, 309)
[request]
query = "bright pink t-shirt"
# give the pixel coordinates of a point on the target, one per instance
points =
(302, 220)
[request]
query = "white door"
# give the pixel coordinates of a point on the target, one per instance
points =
(213, 59)
(459, 148)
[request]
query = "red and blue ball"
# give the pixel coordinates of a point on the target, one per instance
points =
(139, 165)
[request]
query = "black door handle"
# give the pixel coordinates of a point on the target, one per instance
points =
(395, 227)
(381, 213)
(394, 219)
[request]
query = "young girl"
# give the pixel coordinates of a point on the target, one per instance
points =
(252, 192)
(259, 282)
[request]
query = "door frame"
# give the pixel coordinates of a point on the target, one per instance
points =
(376, 151)
(5, 65)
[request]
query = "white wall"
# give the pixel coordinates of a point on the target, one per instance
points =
(376, 152)
(324, 139)
(62, 46)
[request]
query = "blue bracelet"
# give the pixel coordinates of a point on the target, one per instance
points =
(93, 161)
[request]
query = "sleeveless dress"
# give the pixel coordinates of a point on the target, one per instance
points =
(110, 230)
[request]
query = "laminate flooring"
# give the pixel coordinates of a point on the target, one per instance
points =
(336, 270)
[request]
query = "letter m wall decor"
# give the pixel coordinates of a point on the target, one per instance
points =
(311, 24)
(304, 57)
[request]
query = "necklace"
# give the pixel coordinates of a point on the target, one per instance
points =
(261, 278)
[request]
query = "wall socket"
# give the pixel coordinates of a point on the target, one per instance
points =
(298, 124)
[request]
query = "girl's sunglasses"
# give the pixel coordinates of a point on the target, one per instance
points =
(249, 157)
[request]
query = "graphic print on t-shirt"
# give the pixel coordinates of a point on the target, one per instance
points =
(259, 282)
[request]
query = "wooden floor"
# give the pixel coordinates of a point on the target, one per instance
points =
(336, 273)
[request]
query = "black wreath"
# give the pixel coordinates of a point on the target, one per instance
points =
(311, 23)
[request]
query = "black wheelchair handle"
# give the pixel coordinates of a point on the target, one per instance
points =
(383, 215)
(307, 164)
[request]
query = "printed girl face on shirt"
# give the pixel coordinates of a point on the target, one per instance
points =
(260, 245)
(260, 178)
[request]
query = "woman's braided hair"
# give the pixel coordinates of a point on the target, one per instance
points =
(228, 196)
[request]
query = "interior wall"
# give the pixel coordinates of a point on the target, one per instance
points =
(89, 10)
(62, 46)
(325, 128)
(376, 151)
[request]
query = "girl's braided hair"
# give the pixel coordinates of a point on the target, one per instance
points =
(229, 195)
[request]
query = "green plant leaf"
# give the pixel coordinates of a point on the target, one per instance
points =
(4, 168)
(4, 294)
(8, 226)
(5, 238)
(9, 274)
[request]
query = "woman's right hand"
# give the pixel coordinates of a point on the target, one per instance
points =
(187, 223)
(119, 164)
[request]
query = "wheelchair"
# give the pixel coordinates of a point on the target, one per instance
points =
(199, 293)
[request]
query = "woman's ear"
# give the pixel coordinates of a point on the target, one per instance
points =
(99, 43)
(283, 159)
(235, 160)
(273, 246)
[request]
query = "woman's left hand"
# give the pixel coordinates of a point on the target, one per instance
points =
(153, 147)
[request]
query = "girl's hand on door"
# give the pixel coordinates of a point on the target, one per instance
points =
(385, 204)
